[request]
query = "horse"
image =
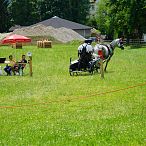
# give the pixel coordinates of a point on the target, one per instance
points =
(108, 50)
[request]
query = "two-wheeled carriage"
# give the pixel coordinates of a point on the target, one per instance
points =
(90, 67)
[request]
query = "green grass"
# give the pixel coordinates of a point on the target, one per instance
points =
(53, 108)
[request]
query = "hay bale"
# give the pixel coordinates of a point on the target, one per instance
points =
(17, 45)
(47, 44)
(44, 44)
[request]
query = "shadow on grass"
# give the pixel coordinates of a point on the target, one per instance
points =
(109, 72)
(82, 74)
(90, 74)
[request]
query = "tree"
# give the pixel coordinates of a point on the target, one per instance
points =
(24, 12)
(125, 17)
(73, 10)
(79, 10)
(4, 16)
(27, 12)
(104, 19)
(137, 18)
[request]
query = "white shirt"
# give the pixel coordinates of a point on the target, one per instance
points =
(89, 47)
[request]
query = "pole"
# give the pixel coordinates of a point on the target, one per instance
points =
(100, 53)
(30, 65)
(101, 68)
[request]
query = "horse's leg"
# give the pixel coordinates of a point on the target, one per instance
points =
(106, 65)
(107, 62)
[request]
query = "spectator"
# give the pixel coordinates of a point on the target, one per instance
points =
(11, 66)
(21, 66)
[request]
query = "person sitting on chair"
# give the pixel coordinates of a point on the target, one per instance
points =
(21, 66)
(11, 66)
(85, 54)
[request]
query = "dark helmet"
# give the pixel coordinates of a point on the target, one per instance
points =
(88, 41)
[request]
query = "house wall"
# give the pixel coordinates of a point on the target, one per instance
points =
(84, 32)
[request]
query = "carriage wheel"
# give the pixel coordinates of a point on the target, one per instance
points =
(71, 73)
(77, 73)
(91, 70)
(97, 66)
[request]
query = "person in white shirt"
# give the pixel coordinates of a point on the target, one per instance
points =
(85, 54)
(87, 45)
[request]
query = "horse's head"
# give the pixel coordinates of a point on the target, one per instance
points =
(117, 42)
(120, 43)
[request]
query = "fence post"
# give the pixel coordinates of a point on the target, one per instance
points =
(100, 53)
(101, 68)
(29, 54)
(30, 65)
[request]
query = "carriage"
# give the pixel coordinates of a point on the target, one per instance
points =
(87, 62)
(91, 67)
(103, 54)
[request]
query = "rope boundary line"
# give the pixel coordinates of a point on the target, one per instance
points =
(95, 94)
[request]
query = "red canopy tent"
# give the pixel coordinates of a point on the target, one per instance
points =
(14, 38)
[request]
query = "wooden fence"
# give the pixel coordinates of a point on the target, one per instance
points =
(132, 42)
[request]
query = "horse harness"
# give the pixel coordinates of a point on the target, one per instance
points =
(109, 50)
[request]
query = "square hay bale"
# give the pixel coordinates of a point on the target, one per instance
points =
(44, 44)
(47, 44)
(17, 45)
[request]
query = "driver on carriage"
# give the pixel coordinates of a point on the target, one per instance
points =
(85, 52)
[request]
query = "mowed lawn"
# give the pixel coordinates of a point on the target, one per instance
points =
(53, 108)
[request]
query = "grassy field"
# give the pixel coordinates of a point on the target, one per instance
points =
(52, 108)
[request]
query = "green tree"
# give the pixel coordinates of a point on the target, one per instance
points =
(27, 12)
(24, 12)
(4, 16)
(137, 18)
(79, 10)
(104, 19)
(124, 17)
(73, 10)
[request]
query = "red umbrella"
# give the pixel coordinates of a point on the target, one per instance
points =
(14, 38)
